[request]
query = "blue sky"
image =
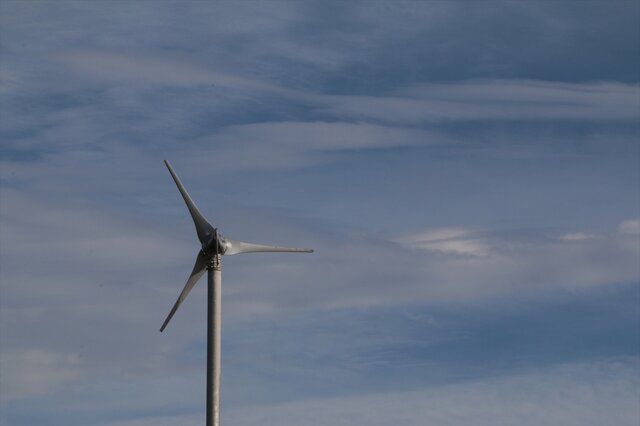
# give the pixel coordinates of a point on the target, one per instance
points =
(466, 171)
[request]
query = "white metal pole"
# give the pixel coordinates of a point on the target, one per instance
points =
(214, 281)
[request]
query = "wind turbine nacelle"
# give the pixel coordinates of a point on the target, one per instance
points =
(209, 247)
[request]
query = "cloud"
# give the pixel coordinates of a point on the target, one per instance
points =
(105, 272)
(78, 285)
(438, 266)
(182, 420)
(573, 394)
(564, 395)
(396, 139)
(283, 145)
(148, 69)
(446, 240)
(577, 236)
(465, 100)
(36, 371)
(630, 227)
(496, 100)
(353, 45)
(79, 235)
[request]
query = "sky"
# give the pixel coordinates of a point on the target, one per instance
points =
(466, 171)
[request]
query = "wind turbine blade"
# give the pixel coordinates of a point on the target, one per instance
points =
(203, 228)
(198, 270)
(237, 247)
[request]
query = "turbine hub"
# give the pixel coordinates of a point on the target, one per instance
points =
(214, 244)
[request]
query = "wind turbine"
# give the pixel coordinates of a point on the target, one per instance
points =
(213, 246)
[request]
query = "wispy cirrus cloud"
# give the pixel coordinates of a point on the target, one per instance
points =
(447, 240)
(466, 100)
(497, 100)
(286, 144)
(154, 70)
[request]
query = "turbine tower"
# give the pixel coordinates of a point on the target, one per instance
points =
(213, 246)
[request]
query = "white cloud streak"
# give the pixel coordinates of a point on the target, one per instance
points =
(497, 100)
(469, 100)
(149, 69)
(630, 227)
(283, 145)
(447, 240)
